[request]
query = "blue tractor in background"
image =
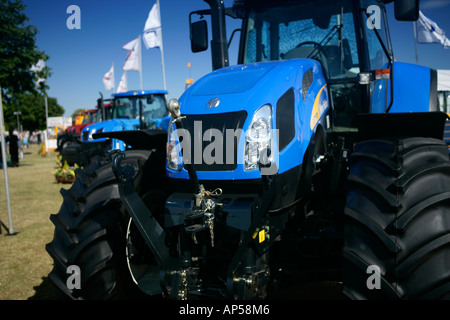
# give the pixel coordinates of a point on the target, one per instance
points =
(132, 110)
(316, 156)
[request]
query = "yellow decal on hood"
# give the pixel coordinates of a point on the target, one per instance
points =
(319, 107)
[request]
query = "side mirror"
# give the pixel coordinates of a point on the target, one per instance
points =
(174, 108)
(406, 10)
(199, 36)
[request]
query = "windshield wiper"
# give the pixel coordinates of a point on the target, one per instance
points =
(337, 30)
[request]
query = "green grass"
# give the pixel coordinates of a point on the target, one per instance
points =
(34, 195)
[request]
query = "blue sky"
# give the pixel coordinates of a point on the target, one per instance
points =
(80, 58)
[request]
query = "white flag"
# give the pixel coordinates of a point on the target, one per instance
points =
(429, 32)
(36, 68)
(123, 87)
(152, 29)
(108, 79)
(132, 60)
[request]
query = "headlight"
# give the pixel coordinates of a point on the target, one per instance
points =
(91, 132)
(259, 139)
(174, 159)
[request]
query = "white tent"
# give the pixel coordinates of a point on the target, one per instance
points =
(443, 78)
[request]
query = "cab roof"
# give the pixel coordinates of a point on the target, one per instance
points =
(139, 93)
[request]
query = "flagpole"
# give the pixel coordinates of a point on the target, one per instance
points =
(140, 62)
(114, 78)
(415, 41)
(46, 123)
(5, 168)
(162, 50)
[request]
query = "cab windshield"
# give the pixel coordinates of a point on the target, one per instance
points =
(146, 107)
(325, 30)
(89, 117)
(96, 116)
(321, 30)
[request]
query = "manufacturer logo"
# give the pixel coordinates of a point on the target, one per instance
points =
(213, 103)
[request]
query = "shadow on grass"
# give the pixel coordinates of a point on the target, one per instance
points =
(46, 291)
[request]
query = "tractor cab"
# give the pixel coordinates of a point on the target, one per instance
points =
(350, 39)
(321, 30)
(91, 116)
(148, 107)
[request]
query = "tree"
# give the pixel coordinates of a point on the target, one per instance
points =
(18, 52)
(32, 108)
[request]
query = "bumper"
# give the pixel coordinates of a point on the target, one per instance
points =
(237, 199)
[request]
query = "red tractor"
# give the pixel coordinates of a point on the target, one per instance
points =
(72, 135)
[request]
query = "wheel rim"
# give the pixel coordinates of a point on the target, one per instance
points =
(142, 266)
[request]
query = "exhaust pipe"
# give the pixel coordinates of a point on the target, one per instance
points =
(219, 44)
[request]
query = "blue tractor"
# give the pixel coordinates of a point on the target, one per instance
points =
(315, 155)
(132, 110)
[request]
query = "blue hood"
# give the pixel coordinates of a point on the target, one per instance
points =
(250, 87)
(246, 87)
(110, 126)
(114, 125)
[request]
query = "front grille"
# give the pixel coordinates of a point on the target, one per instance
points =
(212, 155)
(85, 135)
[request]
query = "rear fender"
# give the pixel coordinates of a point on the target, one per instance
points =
(415, 90)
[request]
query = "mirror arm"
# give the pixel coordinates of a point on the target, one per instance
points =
(232, 35)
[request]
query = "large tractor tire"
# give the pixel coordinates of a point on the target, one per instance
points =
(90, 231)
(397, 233)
